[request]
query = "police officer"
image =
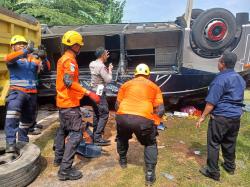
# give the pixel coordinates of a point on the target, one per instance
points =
(139, 101)
(224, 104)
(100, 76)
(69, 93)
(22, 98)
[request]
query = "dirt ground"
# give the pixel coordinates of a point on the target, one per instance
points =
(182, 151)
(91, 168)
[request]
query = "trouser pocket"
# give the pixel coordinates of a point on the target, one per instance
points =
(71, 119)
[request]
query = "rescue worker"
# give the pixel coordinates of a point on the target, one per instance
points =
(224, 104)
(22, 98)
(138, 102)
(100, 76)
(69, 93)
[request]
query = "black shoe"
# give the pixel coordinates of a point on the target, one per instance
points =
(107, 140)
(230, 172)
(206, 173)
(69, 174)
(101, 142)
(56, 163)
(10, 148)
(150, 174)
(38, 126)
(123, 162)
(34, 131)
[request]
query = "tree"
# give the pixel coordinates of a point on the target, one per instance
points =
(65, 12)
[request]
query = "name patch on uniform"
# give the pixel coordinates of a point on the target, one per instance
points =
(72, 67)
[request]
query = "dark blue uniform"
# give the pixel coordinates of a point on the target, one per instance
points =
(22, 99)
(226, 93)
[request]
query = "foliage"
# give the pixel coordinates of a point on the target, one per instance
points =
(74, 12)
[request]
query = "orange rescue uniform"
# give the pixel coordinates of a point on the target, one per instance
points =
(68, 97)
(139, 96)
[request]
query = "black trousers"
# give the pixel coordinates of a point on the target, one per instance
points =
(100, 117)
(145, 132)
(70, 127)
(222, 132)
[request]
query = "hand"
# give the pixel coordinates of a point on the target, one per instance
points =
(94, 97)
(42, 54)
(30, 46)
(110, 67)
(107, 54)
(198, 123)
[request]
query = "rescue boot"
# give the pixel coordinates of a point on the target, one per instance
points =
(39, 126)
(57, 163)
(69, 174)
(204, 171)
(229, 171)
(10, 148)
(150, 174)
(123, 162)
(35, 131)
(102, 142)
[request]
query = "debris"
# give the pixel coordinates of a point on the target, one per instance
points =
(182, 142)
(191, 110)
(197, 152)
(85, 112)
(168, 176)
(161, 127)
(161, 146)
(167, 115)
(180, 114)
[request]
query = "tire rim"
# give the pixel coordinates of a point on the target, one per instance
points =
(8, 157)
(216, 30)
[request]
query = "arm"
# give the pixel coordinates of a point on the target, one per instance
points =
(106, 75)
(68, 79)
(158, 105)
(14, 56)
(45, 65)
(209, 107)
(120, 96)
(215, 92)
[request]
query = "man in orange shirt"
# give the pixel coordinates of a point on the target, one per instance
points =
(69, 93)
(139, 101)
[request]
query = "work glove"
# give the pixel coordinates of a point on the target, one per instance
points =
(30, 46)
(94, 97)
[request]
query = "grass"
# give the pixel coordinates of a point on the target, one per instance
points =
(176, 157)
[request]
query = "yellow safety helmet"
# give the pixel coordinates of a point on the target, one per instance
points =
(17, 38)
(72, 37)
(142, 69)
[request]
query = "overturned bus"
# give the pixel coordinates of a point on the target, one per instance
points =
(183, 60)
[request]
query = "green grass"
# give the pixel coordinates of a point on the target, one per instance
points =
(179, 160)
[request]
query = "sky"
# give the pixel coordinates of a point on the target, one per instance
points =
(168, 10)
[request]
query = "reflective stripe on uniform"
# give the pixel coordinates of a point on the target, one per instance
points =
(25, 125)
(13, 114)
(23, 83)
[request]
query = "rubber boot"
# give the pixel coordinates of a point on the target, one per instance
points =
(150, 174)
